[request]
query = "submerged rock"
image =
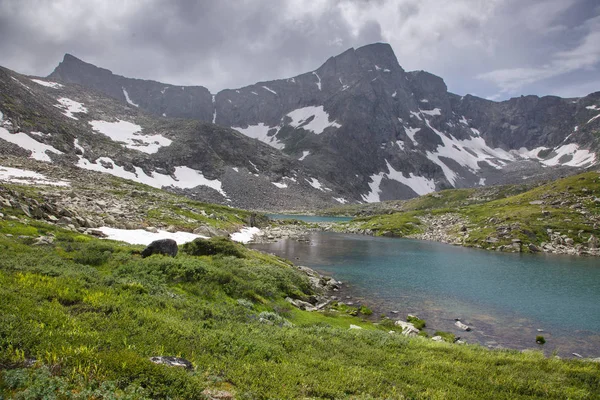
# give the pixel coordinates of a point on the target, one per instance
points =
(462, 326)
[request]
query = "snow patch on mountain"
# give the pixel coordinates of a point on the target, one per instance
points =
(245, 235)
(270, 90)
(340, 200)
(49, 84)
(131, 134)
(280, 185)
(593, 107)
(419, 184)
(314, 182)
(312, 118)
(373, 195)
(183, 177)
(260, 131)
(27, 177)
(593, 118)
(128, 99)
(305, 154)
(143, 237)
(38, 150)
(578, 158)
(434, 112)
(468, 153)
(319, 80)
(411, 132)
(70, 107)
(416, 115)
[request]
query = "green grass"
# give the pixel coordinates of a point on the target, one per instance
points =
(489, 211)
(91, 313)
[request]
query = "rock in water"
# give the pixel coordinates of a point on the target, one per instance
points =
(462, 326)
(167, 247)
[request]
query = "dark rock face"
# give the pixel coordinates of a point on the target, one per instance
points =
(158, 98)
(167, 247)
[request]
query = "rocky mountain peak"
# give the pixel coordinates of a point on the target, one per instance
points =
(375, 131)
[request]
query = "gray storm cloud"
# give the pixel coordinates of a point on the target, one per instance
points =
(495, 48)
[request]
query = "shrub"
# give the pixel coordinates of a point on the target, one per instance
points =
(539, 339)
(364, 310)
(416, 321)
(214, 246)
(447, 336)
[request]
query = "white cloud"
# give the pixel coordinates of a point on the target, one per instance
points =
(585, 55)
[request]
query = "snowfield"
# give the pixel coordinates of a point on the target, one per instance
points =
(37, 149)
(260, 131)
(418, 184)
(301, 118)
(49, 84)
(70, 107)
(131, 134)
(141, 236)
(27, 177)
(245, 235)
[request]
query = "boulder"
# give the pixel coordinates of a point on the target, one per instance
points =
(167, 247)
(408, 329)
(437, 339)
(593, 242)
(209, 231)
(303, 305)
(462, 326)
(172, 362)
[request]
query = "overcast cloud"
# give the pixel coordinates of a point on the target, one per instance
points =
(491, 48)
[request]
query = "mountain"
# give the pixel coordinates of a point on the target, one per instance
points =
(72, 125)
(377, 132)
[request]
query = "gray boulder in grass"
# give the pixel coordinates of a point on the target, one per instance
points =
(167, 247)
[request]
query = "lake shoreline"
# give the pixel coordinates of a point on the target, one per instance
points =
(485, 332)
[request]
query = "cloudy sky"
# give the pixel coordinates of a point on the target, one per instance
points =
(492, 48)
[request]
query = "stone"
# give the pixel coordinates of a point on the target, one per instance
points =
(437, 339)
(151, 229)
(533, 248)
(172, 362)
(303, 305)
(213, 394)
(209, 231)
(167, 247)
(593, 242)
(462, 326)
(408, 329)
(355, 327)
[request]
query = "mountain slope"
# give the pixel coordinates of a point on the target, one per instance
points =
(377, 132)
(69, 124)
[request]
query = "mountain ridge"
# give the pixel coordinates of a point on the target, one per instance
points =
(376, 132)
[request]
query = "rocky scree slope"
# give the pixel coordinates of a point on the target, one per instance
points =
(561, 217)
(377, 132)
(68, 124)
(82, 201)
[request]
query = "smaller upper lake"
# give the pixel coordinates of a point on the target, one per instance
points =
(309, 218)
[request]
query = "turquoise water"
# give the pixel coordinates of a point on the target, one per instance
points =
(506, 298)
(309, 218)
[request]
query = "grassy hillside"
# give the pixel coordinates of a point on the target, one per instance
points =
(561, 213)
(80, 317)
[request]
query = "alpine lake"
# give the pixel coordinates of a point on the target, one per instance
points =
(507, 299)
